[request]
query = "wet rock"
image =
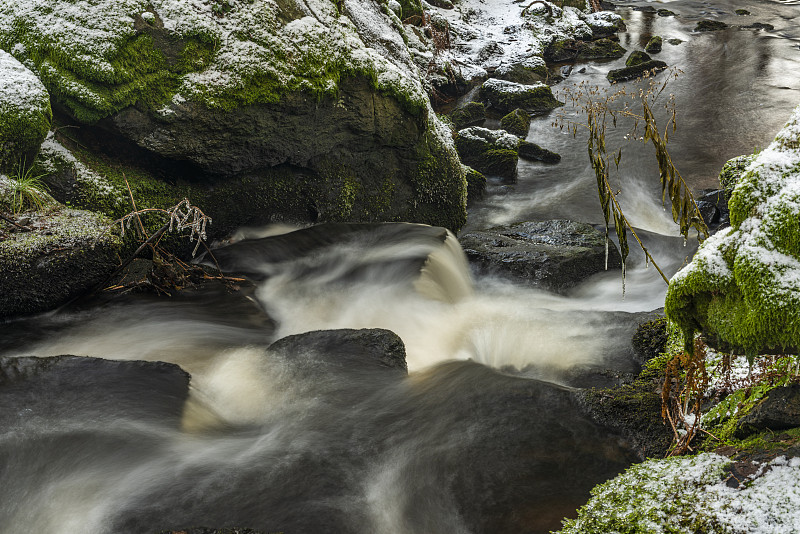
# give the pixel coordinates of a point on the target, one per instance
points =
(518, 122)
(778, 411)
(88, 388)
(204, 530)
(469, 114)
(708, 211)
(665, 13)
(742, 12)
(25, 114)
(476, 185)
(572, 49)
(345, 350)
(637, 71)
(759, 26)
(505, 96)
(637, 57)
(67, 253)
(491, 152)
(645, 9)
(527, 71)
(674, 41)
(553, 255)
(533, 151)
(710, 26)
(650, 339)
(653, 45)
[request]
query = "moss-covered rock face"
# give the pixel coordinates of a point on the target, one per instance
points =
(504, 96)
(743, 286)
(517, 123)
(476, 185)
(24, 114)
(732, 171)
(265, 90)
(68, 253)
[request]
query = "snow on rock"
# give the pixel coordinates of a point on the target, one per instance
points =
(743, 287)
(690, 494)
(24, 113)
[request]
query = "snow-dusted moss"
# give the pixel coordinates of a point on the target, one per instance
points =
(25, 113)
(743, 285)
(100, 56)
(690, 495)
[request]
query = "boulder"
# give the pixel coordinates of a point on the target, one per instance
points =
(66, 253)
(637, 57)
(533, 151)
(300, 98)
(86, 388)
(742, 12)
(604, 24)
(710, 26)
(573, 49)
(518, 122)
(469, 114)
(528, 70)
(636, 71)
(504, 96)
(665, 13)
(491, 152)
(25, 114)
(553, 255)
(742, 288)
(330, 351)
(780, 410)
(654, 45)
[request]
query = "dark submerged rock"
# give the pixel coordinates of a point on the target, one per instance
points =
(553, 255)
(710, 26)
(83, 387)
(637, 71)
(517, 123)
(529, 150)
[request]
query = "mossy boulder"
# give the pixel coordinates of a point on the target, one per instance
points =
(66, 253)
(654, 45)
(25, 114)
(491, 152)
(476, 185)
(637, 57)
(636, 71)
(529, 70)
(710, 26)
(469, 114)
(504, 96)
(532, 151)
(263, 89)
(574, 49)
(732, 172)
(604, 24)
(742, 288)
(742, 12)
(517, 123)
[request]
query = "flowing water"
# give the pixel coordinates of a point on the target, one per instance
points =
(484, 435)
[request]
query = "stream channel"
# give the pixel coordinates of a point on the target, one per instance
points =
(483, 435)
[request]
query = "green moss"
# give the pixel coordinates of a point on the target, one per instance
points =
(469, 114)
(507, 96)
(654, 45)
(518, 122)
(732, 172)
(637, 57)
(411, 11)
(476, 185)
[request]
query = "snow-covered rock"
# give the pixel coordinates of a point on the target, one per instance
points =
(25, 113)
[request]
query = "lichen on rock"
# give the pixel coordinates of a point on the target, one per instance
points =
(743, 286)
(25, 114)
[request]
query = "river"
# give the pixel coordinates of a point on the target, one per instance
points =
(484, 435)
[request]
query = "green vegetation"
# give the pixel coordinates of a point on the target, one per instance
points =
(26, 191)
(516, 123)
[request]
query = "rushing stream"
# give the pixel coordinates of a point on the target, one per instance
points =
(484, 435)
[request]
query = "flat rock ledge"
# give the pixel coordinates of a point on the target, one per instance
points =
(553, 255)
